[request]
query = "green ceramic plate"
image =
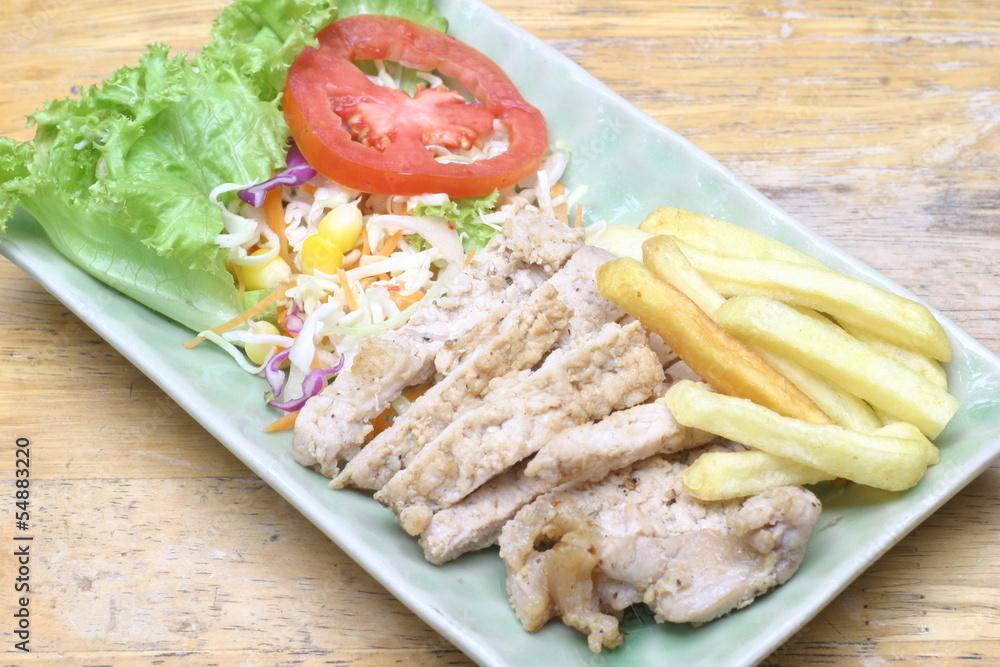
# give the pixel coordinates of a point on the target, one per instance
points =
(465, 600)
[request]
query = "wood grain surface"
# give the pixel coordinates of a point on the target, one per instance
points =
(875, 122)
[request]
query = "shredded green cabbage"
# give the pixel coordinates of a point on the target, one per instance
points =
(120, 177)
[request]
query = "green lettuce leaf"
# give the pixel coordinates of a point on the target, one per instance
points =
(418, 11)
(264, 37)
(464, 214)
(119, 178)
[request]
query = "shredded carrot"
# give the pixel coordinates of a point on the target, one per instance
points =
(414, 392)
(405, 300)
(391, 243)
(281, 315)
(283, 423)
(349, 300)
(245, 315)
(366, 248)
(381, 423)
(579, 216)
(560, 211)
(384, 420)
(468, 258)
(309, 188)
(274, 213)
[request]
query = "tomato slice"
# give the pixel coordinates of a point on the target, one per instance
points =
(373, 138)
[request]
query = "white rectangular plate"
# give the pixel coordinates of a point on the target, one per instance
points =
(632, 165)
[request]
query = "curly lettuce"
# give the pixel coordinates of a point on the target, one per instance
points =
(465, 214)
(119, 178)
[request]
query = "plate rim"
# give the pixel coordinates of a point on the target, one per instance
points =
(168, 379)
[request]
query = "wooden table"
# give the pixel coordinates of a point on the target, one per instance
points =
(875, 123)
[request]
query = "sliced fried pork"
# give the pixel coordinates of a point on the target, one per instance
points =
(476, 521)
(583, 453)
(333, 426)
(577, 286)
(586, 552)
(608, 370)
(587, 453)
(520, 341)
(506, 344)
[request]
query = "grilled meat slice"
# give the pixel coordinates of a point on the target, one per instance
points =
(583, 453)
(334, 425)
(585, 552)
(608, 370)
(476, 521)
(521, 340)
(576, 283)
(508, 344)
(587, 453)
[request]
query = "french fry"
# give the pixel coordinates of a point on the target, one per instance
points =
(825, 348)
(929, 368)
(898, 429)
(666, 259)
(842, 406)
(880, 461)
(899, 320)
(663, 256)
(725, 475)
(620, 241)
(720, 237)
(717, 357)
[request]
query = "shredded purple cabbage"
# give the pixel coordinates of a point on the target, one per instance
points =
(296, 172)
(273, 374)
(293, 320)
(311, 385)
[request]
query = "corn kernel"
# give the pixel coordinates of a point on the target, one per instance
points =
(257, 352)
(320, 253)
(266, 276)
(343, 226)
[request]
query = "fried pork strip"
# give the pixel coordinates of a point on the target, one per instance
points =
(521, 340)
(584, 453)
(334, 425)
(608, 370)
(585, 552)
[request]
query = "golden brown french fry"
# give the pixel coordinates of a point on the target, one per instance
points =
(666, 259)
(830, 351)
(720, 237)
(842, 406)
(854, 302)
(725, 475)
(880, 461)
(717, 357)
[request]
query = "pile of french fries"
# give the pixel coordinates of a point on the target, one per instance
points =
(822, 376)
